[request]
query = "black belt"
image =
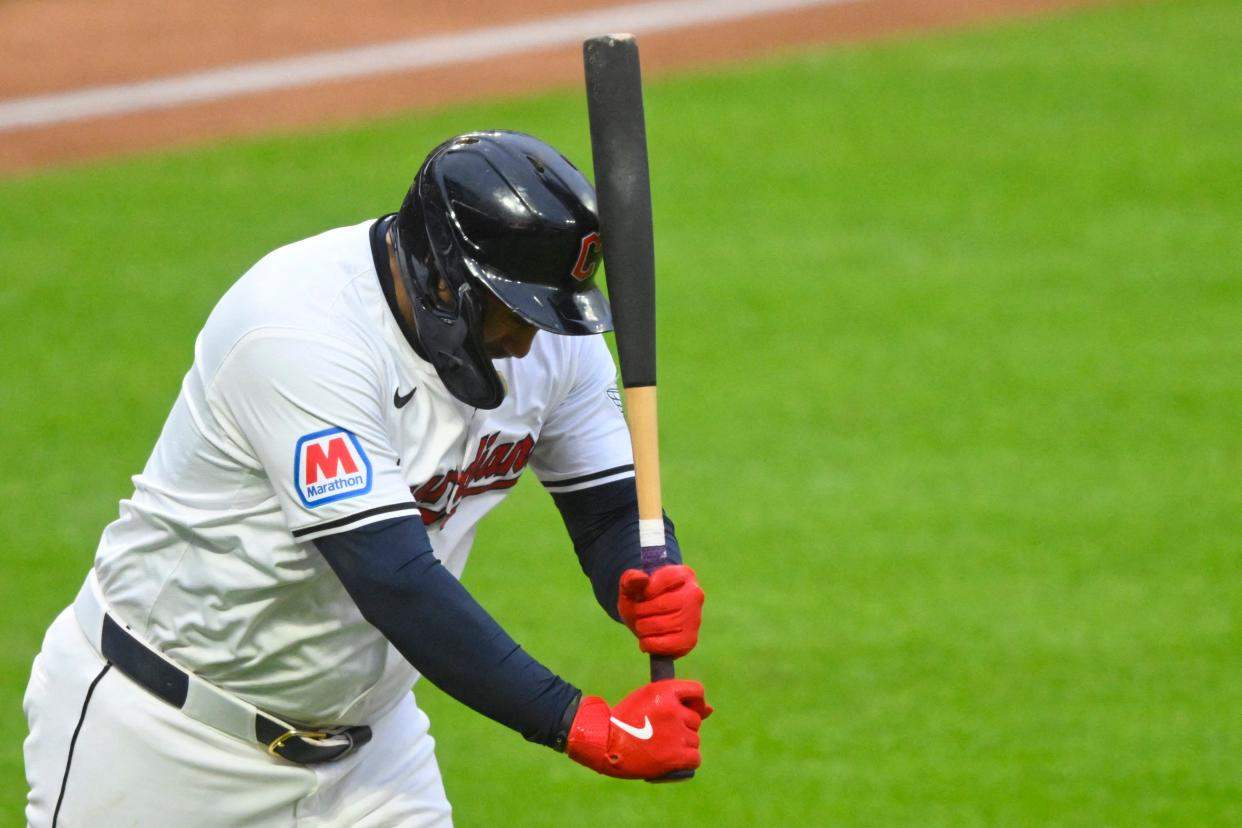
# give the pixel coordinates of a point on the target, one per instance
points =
(162, 678)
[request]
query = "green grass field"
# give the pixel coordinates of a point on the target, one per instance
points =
(951, 366)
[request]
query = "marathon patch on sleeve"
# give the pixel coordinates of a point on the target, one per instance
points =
(330, 465)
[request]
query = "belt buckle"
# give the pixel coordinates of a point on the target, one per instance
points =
(274, 746)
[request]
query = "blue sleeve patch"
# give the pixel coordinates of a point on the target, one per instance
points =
(330, 465)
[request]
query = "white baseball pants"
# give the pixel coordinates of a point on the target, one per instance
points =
(104, 752)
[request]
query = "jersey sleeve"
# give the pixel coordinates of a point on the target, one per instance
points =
(310, 412)
(584, 441)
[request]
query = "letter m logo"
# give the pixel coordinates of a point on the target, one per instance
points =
(330, 465)
(330, 461)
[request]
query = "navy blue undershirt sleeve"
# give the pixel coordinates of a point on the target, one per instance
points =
(603, 524)
(402, 589)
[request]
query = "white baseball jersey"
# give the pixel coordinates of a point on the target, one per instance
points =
(306, 412)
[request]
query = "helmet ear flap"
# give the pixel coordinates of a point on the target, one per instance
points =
(439, 297)
(449, 284)
(448, 310)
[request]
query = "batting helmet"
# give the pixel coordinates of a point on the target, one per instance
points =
(505, 213)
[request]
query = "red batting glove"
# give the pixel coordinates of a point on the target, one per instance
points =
(651, 732)
(664, 609)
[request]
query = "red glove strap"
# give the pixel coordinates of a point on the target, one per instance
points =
(588, 736)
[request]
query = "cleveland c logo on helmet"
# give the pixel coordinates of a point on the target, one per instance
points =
(588, 257)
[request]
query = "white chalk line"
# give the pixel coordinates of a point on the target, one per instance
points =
(384, 58)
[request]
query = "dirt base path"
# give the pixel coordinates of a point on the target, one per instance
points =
(51, 46)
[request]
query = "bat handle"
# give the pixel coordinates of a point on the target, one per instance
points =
(662, 669)
(654, 557)
(653, 554)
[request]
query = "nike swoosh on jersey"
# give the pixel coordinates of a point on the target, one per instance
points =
(398, 400)
(643, 732)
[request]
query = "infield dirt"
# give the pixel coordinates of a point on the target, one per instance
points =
(48, 46)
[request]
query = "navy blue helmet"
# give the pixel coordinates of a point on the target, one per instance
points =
(505, 214)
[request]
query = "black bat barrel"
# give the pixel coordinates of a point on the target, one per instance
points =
(622, 179)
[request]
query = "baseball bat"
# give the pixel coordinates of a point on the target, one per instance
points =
(623, 186)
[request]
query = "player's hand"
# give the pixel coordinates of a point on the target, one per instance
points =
(664, 609)
(651, 732)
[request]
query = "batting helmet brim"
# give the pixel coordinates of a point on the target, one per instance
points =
(560, 311)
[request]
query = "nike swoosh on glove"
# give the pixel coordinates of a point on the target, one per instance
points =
(664, 609)
(650, 733)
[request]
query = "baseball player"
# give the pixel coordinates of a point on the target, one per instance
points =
(243, 649)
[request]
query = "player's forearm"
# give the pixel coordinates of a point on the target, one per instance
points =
(402, 589)
(603, 523)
